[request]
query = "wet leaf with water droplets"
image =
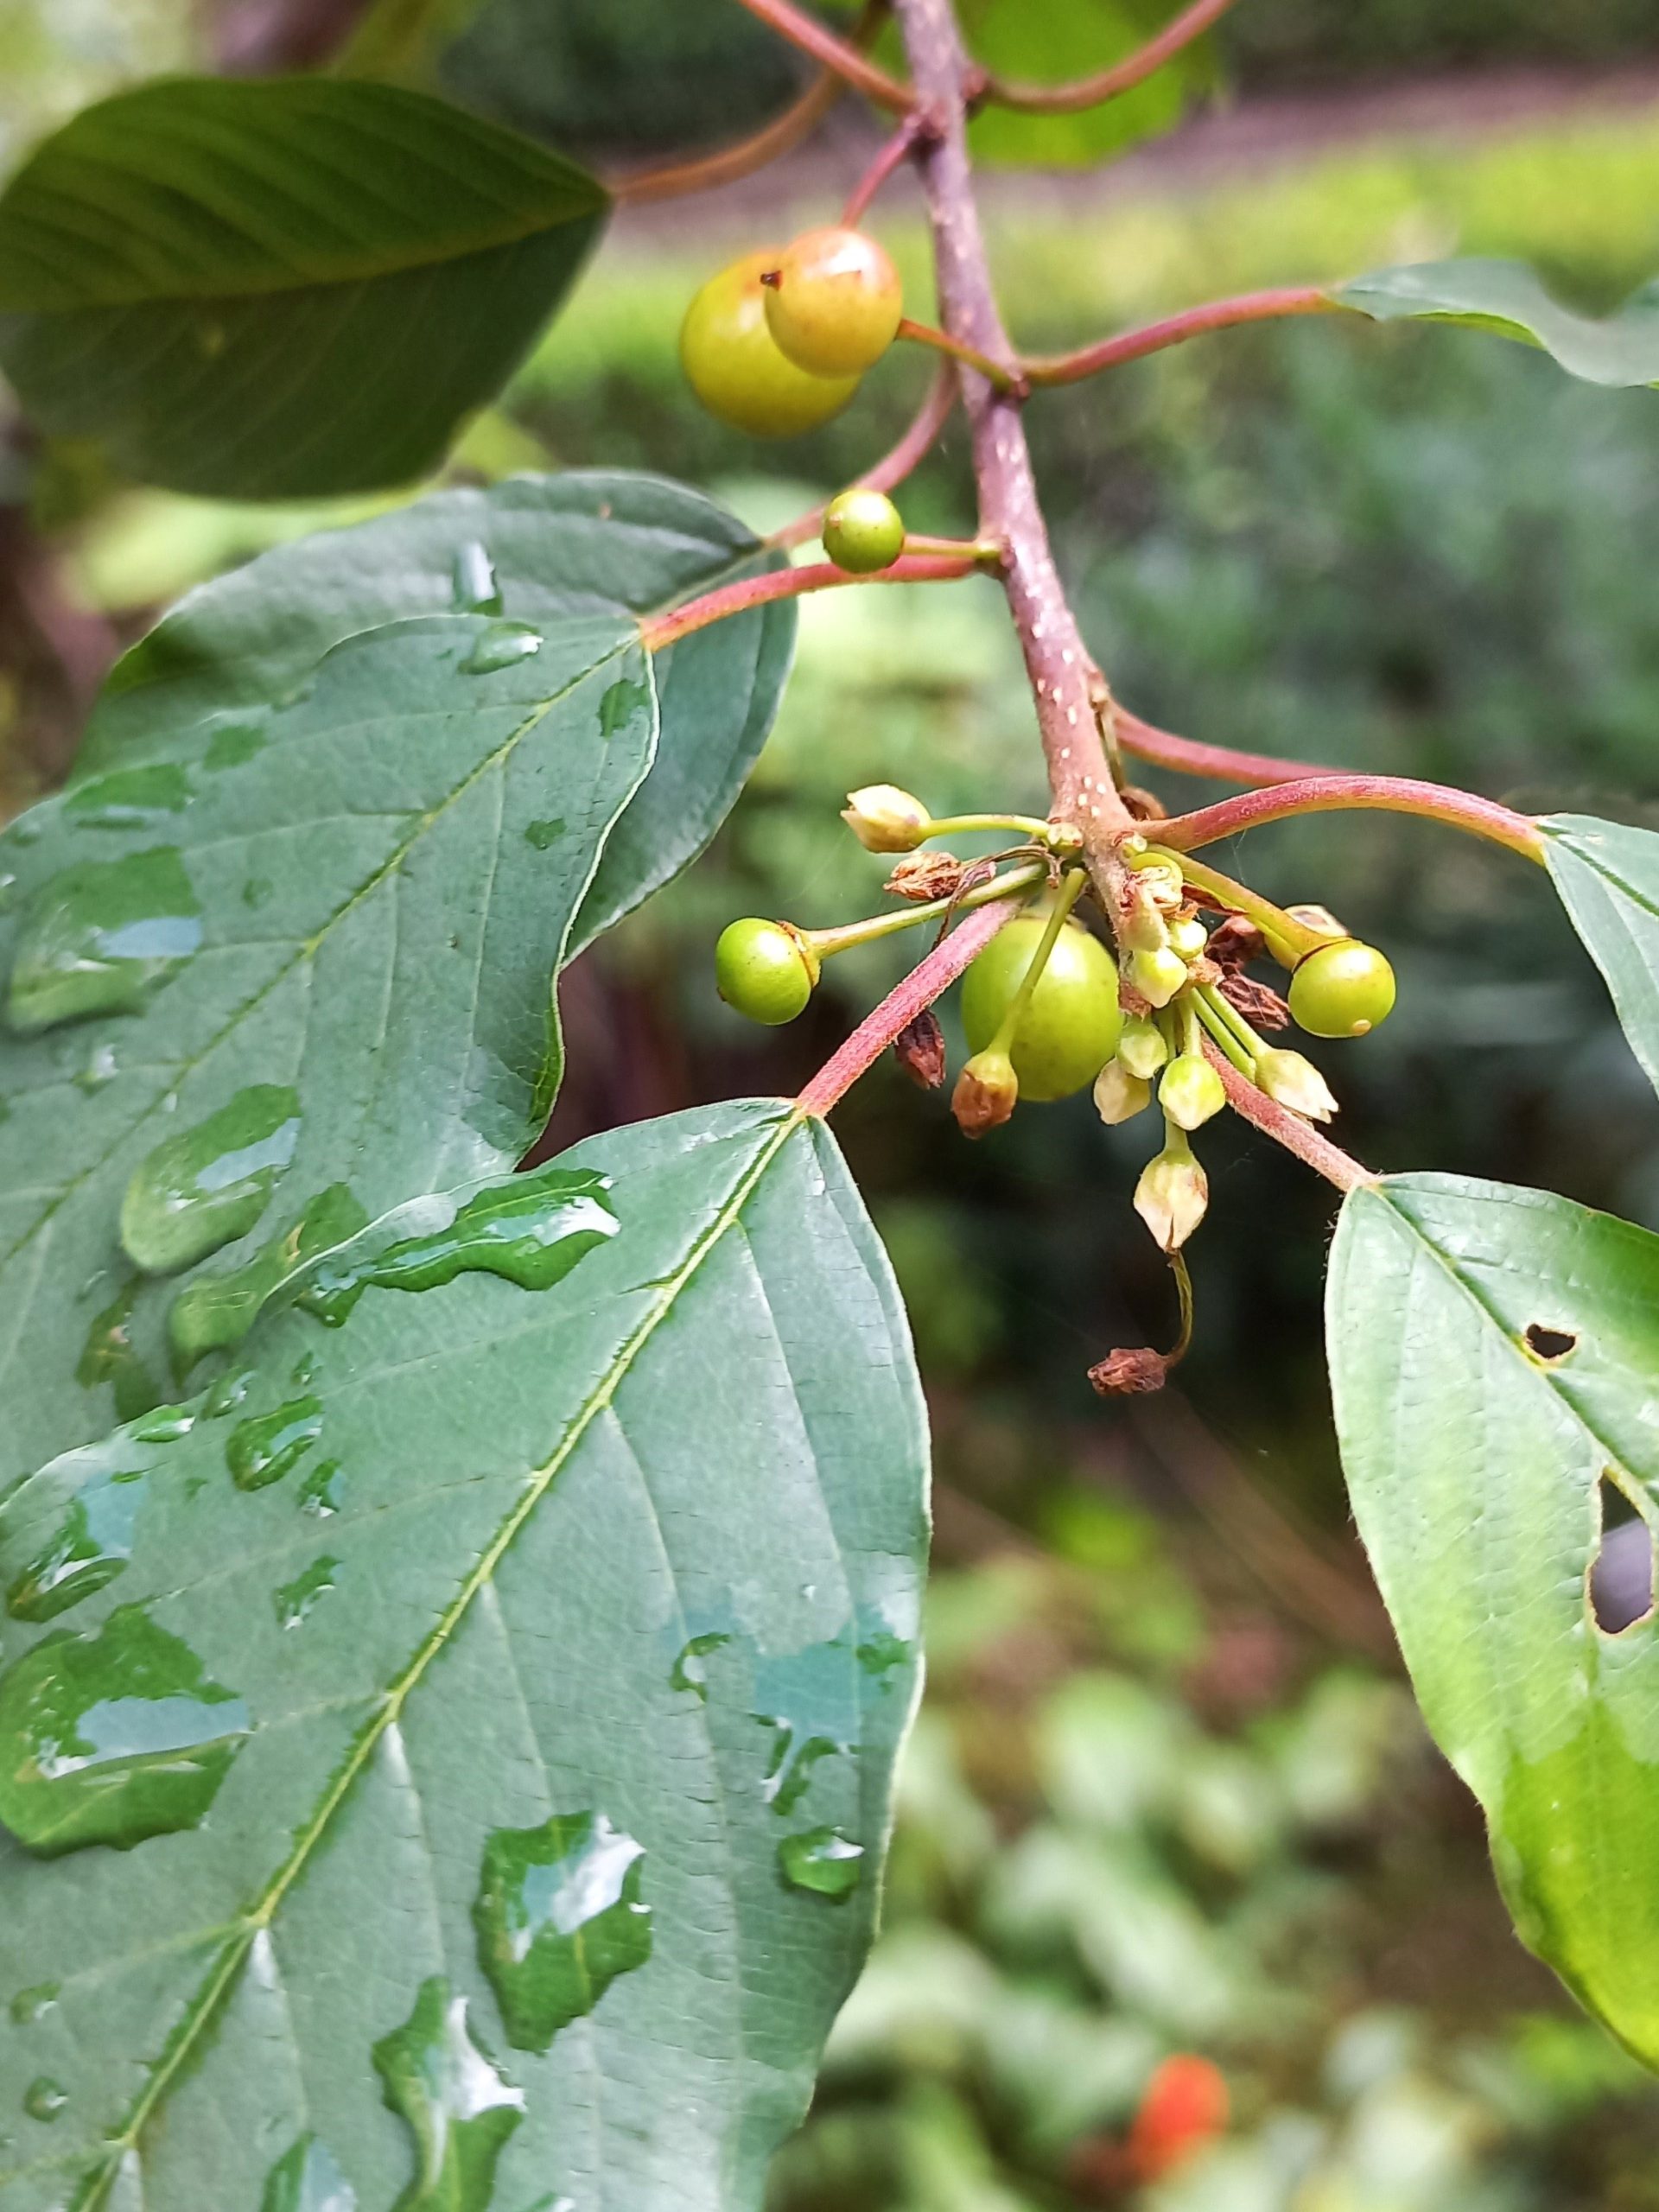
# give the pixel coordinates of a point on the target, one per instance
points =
(458, 2108)
(111, 1737)
(559, 1916)
(565, 1582)
(824, 1861)
(208, 1186)
(306, 2179)
(267, 1447)
(99, 939)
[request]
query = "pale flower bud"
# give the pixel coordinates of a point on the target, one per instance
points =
(1142, 1046)
(884, 819)
(1172, 1195)
(1157, 975)
(1189, 937)
(1191, 1092)
(1120, 1095)
(1290, 1080)
(986, 1093)
(1142, 926)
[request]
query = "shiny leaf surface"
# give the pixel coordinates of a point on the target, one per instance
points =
(1495, 1359)
(270, 289)
(464, 1882)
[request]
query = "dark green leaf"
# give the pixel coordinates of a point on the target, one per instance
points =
(1495, 1358)
(501, 1817)
(1608, 877)
(272, 289)
(1507, 297)
(532, 549)
(344, 932)
(319, 988)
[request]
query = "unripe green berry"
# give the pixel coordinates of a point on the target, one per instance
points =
(1343, 989)
(733, 362)
(765, 970)
(1069, 1029)
(863, 531)
(833, 302)
(1158, 975)
(1191, 1092)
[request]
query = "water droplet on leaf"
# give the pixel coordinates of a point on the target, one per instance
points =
(881, 1654)
(228, 1393)
(295, 1598)
(113, 1738)
(824, 1861)
(233, 744)
(559, 1917)
(531, 1229)
(207, 1186)
(98, 939)
(458, 2108)
(131, 798)
(262, 1450)
(474, 588)
(789, 1775)
(625, 699)
(688, 1672)
(91, 1546)
(212, 1312)
(320, 1493)
(543, 834)
(98, 1068)
(29, 2005)
(306, 2179)
(502, 646)
(45, 2099)
(258, 890)
(108, 1357)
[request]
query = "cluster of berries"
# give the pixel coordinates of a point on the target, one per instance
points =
(777, 343)
(1047, 1009)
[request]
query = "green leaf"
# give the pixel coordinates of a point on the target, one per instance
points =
(269, 290)
(1507, 297)
(501, 1814)
(1476, 1456)
(339, 895)
(1065, 40)
(1608, 878)
(359, 906)
(532, 549)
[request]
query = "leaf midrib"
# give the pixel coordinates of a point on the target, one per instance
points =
(181, 2046)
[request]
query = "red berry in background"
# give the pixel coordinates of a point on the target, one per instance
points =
(1185, 2107)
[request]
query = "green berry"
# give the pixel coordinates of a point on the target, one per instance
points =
(1342, 990)
(1070, 1029)
(834, 302)
(764, 969)
(1191, 1092)
(733, 364)
(863, 531)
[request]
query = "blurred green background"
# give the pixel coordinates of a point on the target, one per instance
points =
(1169, 1792)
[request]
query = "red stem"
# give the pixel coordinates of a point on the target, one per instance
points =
(1192, 322)
(813, 37)
(1189, 758)
(1285, 1128)
(1122, 77)
(1483, 817)
(892, 155)
(664, 630)
(892, 469)
(924, 982)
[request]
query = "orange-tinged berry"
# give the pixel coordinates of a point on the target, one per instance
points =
(834, 302)
(1185, 2107)
(733, 363)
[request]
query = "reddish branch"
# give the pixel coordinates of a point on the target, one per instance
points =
(892, 469)
(663, 630)
(1285, 1128)
(1056, 657)
(1192, 322)
(1109, 84)
(924, 983)
(897, 150)
(1483, 817)
(1189, 758)
(835, 54)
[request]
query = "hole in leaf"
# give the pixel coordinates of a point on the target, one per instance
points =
(1621, 1573)
(1550, 1344)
